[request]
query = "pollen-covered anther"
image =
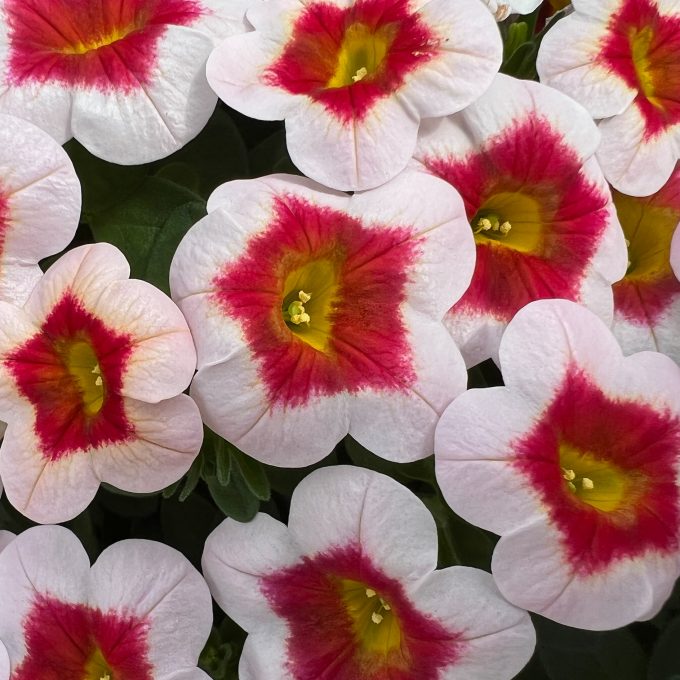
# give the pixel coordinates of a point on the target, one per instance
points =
(296, 309)
(377, 616)
(587, 484)
(484, 224)
(505, 228)
(570, 476)
(97, 371)
(360, 74)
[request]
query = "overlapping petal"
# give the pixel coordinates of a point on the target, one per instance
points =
(350, 588)
(369, 278)
(543, 217)
(576, 465)
(353, 79)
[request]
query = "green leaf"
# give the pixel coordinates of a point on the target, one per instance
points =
(192, 479)
(570, 653)
(253, 474)
(103, 184)
(171, 490)
(665, 661)
(222, 461)
(234, 500)
(148, 225)
(517, 33)
(181, 219)
(216, 156)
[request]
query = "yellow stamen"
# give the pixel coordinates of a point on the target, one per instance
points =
(370, 592)
(483, 225)
(596, 481)
(505, 228)
(360, 74)
(296, 309)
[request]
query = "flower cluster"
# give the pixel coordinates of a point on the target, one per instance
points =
(465, 316)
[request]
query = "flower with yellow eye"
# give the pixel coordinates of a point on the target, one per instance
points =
(349, 589)
(578, 470)
(141, 612)
(92, 370)
(316, 314)
(352, 79)
(647, 298)
(541, 213)
(621, 61)
(126, 79)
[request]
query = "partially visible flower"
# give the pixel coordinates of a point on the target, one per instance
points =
(576, 464)
(542, 214)
(316, 314)
(353, 78)
(502, 10)
(350, 590)
(621, 60)
(647, 299)
(91, 372)
(39, 205)
(124, 78)
(141, 612)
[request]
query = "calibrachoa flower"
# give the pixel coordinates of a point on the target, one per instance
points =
(352, 78)
(39, 205)
(141, 612)
(542, 214)
(316, 314)
(350, 590)
(621, 60)
(576, 464)
(91, 372)
(125, 78)
(647, 299)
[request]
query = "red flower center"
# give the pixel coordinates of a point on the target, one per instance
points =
(109, 45)
(348, 620)
(72, 372)
(537, 219)
(606, 469)
(75, 642)
(643, 48)
(349, 58)
(355, 278)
